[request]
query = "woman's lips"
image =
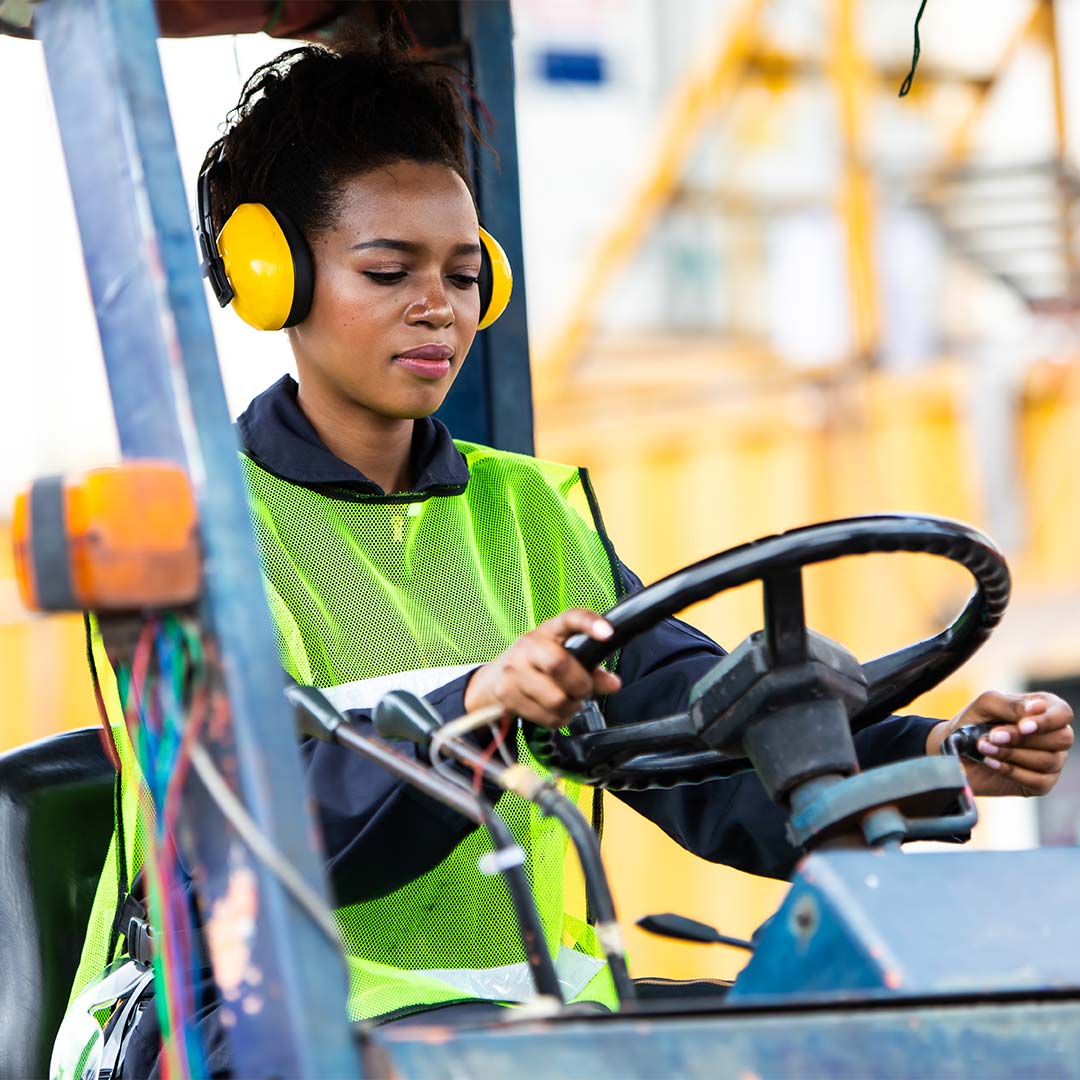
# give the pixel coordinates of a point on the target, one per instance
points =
(428, 361)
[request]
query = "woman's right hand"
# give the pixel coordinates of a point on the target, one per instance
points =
(537, 679)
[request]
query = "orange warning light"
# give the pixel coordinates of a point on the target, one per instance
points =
(110, 540)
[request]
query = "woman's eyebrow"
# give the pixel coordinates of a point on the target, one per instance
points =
(386, 242)
(411, 246)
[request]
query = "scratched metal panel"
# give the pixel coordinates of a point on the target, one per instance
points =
(975, 1041)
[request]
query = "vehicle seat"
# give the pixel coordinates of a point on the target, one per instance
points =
(56, 819)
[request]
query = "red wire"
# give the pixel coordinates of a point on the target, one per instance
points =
(196, 717)
(496, 741)
(140, 663)
(105, 731)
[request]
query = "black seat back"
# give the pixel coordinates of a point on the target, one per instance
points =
(56, 818)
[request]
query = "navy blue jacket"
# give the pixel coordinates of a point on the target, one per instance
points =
(380, 833)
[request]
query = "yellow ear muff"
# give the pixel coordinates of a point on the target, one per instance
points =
(269, 267)
(497, 280)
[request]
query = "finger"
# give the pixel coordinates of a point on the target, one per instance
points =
(605, 682)
(994, 707)
(577, 621)
(547, 693)
(1058, 739)
(521, 704)
(550, 657)
(1041, 715)
(1042, 761)
(1030, 782)
(1002, 735)
(1049, 712)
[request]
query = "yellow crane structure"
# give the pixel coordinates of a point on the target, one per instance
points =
(699, 442)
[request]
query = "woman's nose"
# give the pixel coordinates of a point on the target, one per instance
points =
(431, 308)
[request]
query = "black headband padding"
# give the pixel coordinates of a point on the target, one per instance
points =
(485, 280)
(303, 269)
(213, 264)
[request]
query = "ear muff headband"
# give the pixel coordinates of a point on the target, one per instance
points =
(496, 280)
(212, 266)
(259, 262)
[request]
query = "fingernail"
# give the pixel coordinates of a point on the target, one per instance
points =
(602, 630)
(985, 747)
(1002, 738)
(1035, 705)
(1028, 727)
(992, 762)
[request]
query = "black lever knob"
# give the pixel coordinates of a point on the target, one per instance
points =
(401, 715)
(683, 929)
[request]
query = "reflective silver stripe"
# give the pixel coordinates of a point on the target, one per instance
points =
(365, 693)
(514, 982)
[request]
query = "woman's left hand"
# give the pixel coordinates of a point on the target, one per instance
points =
(1025, 749)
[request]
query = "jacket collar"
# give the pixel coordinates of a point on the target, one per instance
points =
(276, 433)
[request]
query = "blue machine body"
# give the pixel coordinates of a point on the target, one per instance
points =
(860, 925)
(937, 964)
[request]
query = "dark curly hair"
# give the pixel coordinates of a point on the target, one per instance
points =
(311, 118)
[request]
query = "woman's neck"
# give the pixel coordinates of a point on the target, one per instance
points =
(378, 446)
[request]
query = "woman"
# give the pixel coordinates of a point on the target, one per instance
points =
(395, 556)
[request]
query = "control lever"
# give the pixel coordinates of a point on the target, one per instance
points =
(964, 742)
(401, 715)
(318, 717)
(683, 929)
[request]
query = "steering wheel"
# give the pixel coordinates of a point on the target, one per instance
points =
(671, 750)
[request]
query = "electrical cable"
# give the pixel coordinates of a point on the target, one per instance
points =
(150, 722)
(462, 726)
(403, 715)
(162, 687)
(539, 790)
(905, 86)
(508, 759)
(319, 718)
(234, 811)
(498, 738)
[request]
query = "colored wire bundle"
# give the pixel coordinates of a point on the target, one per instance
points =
(493, 717)
(165, 699)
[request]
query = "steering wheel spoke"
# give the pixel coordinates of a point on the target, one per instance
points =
(785, 618)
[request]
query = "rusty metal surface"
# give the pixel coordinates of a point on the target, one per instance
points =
(975, 1040)
(432, 23)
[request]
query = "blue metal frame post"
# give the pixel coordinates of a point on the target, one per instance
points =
(286, 1010)
(491, 401)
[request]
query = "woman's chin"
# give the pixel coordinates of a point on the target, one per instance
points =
(414, 409)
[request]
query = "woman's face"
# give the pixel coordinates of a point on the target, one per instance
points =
(396, 303)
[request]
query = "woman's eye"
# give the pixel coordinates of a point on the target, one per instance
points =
(387, 277)
(464, 281)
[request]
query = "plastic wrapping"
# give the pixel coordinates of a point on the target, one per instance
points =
(80, 1042)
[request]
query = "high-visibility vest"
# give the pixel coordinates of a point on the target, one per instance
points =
(372, 593)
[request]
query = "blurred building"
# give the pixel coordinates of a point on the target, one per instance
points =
(763, 291)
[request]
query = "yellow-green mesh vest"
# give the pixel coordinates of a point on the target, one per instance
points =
(362, 588)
